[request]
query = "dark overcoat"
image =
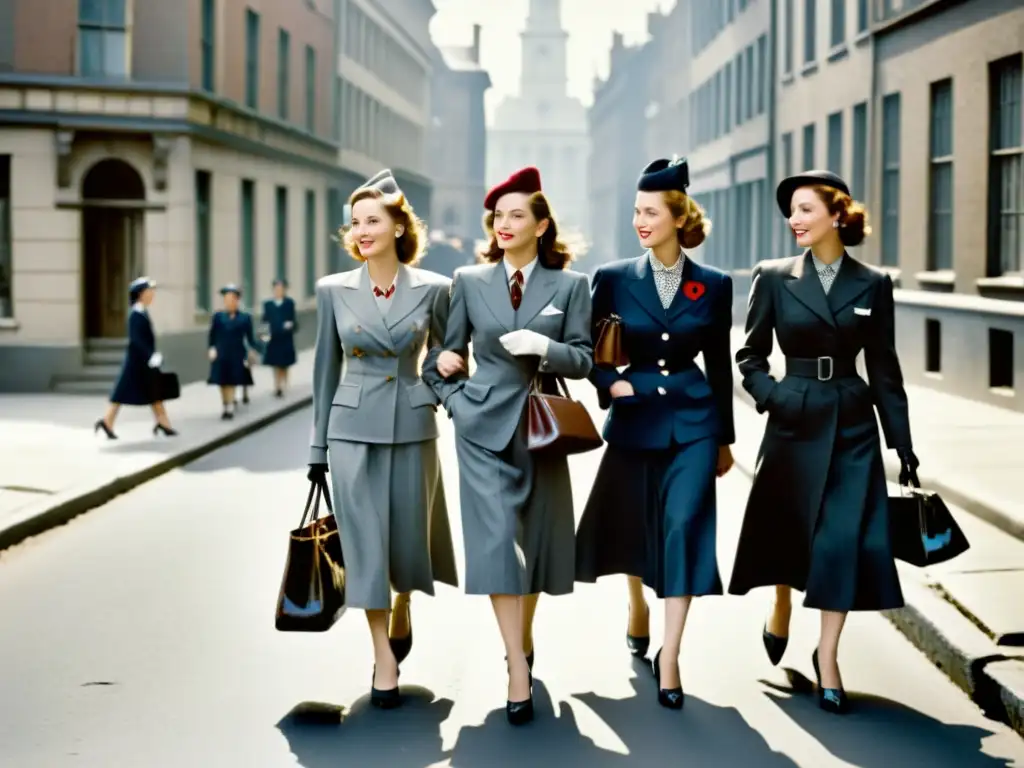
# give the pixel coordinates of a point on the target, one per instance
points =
(229, 335)
(817, 517)
(280, 351)
(137, 383)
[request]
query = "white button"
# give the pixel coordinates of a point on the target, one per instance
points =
(661, 390)
(661, 363)
(664, 373)
(664, 337)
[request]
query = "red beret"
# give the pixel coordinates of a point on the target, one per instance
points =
(526, 180)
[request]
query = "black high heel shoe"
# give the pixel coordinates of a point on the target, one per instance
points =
(400, 646)
(521, 712)
(774, 645)
(388, 699)
(158, 428)
(638, 646)
(830, 699)
(670, 698)
(101, 424)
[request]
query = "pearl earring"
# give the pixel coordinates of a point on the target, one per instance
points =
(835, 224)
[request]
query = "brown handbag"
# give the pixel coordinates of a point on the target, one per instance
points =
(312, 595)
(558, 424)
(609, 349)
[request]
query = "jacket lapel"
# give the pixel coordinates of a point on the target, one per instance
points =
(408, 295)
(358, 297)
(540, 290)
(645, 292)
(497, 297)
(804, 284)
(682, 303)
(851, 281)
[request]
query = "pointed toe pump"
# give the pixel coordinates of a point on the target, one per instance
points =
(388, 699)
(670, 698)
(774, 645)
(829, 699)
(638, 645)
(101, 424)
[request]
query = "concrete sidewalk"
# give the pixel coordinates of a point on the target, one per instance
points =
(970, 452)
(967, 615)
(53, 467)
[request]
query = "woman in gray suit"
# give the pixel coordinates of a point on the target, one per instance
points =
(525, 315)
(374, 419)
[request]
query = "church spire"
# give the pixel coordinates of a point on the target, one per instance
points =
(545, 16)
(544, 74)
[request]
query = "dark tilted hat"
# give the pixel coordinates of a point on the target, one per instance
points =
(525, 180)
(279, 281)
(665, 175)
(784, 194)
(230, 288)
(137, 286)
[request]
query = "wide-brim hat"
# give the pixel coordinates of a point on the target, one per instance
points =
(230, 288)
(665, 175)
(525, 180)
(786, 188)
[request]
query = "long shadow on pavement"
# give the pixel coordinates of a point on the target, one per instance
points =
(325, 736)
(878, 731)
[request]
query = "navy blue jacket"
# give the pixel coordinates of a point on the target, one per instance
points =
(280, 351)
(136, 384)
(229, 336)
(674, 401)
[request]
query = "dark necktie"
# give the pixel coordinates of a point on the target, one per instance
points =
(515, 289)
(386, 294)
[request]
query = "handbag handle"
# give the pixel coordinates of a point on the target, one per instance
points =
(559, 380)
(316, 489)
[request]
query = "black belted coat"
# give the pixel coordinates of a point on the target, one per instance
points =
(817, 518)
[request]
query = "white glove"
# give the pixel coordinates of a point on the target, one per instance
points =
(212, 354)
(288, 325)
(525, 342)
(156, 360)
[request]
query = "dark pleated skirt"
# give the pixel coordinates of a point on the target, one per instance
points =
(652, 514)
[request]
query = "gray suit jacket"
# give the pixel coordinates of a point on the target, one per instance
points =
(366, 378)
(488, 406)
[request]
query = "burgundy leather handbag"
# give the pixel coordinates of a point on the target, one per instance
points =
(557, 423)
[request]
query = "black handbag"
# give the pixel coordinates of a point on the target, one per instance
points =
(169, 388)
(312, 596)
(922, 528)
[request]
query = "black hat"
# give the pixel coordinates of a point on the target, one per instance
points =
(784, 194)
(230, 288)
(665, 175)
(138, 286)
(279, 281)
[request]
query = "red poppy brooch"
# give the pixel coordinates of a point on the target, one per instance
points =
(693, 290)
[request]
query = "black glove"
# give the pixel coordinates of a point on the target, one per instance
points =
(908, 467)
(317, 474)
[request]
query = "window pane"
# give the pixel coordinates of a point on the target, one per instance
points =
(90, 52)
(1007, 94)
(835, 143)
(890, 217)
(809, 152)
(810, 24)
(788, 43)
(114, 13)
(115, 54)
(860, 149)
(941, 234)
(838, 22)
(6, 292)
(862, 15)
(90, 11)
(1010, 172)
(942, 119)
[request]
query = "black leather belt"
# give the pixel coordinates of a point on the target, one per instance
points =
(821, 368)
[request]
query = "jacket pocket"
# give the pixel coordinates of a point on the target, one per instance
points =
(476, 391)
(421, 395)
(786, 404)
(347, 395)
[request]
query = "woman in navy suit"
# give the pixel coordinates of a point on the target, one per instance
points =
(230, 331)
(651, 512)
(279, 317)
(137, 384)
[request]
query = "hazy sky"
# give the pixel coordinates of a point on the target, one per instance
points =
(590, 24)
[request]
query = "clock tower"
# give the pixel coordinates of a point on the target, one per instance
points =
(543, 75)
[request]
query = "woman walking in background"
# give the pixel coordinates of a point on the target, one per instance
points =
(818, 515)
(652, 511)
(230, 345)
(525, 314)
(138, 383)
(279, 317)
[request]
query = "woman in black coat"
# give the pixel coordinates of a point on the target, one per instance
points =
(230, 344)
(279, 317)
(140, 371)
(818, 519)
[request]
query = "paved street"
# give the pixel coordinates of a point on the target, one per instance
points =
(142, 635)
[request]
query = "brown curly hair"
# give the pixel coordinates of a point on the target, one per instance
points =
(552, 252)
(409, 245)
(697, 226)
(853, 216)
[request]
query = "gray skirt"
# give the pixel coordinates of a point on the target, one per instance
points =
(517, 519)
(393, 519)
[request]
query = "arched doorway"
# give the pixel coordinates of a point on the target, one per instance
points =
(113, 200)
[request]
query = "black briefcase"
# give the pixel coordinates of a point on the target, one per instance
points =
(923, 529)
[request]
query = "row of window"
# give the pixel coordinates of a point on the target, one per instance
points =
(376, 131)
(733, 95)
(369, 45)
(735, 247)
(837, 29)
(709, 17)
(247, 250)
